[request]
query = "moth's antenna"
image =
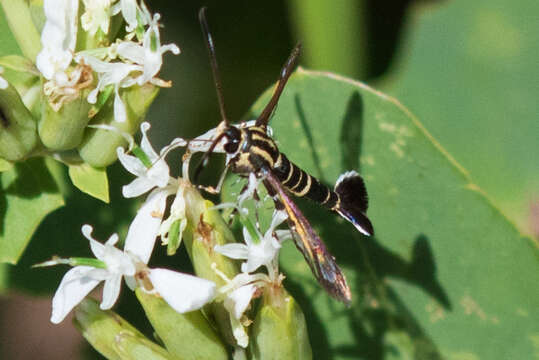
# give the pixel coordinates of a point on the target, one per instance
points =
(286, 71)
(213, 62)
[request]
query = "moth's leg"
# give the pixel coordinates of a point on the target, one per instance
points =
(218, 188)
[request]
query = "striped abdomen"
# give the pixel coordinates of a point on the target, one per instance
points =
(349, 198)
(299, 183)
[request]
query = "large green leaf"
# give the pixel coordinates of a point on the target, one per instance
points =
(470, 73)
(446, 276)
(28, 193)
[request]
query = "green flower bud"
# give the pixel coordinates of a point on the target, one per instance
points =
(18, 134)
(63, 129)
(99, 145)
(186, 336)
(114, 337)
(205, 229)
(279, 329)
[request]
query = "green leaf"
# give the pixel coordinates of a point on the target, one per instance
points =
(29, 193)
(90, 180)
(468, 75)
(439, 279)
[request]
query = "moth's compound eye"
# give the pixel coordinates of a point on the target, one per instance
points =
(231, 146)
(233, 135)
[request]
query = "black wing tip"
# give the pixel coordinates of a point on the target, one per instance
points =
(354, 201)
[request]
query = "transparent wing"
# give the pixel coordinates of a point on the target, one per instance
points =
(321, 262)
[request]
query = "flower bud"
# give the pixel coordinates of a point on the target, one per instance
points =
(63, 129)
(279, 329)
(112, 336)
(99, 145)
(186, 336)
(18, 134)
(205, 229)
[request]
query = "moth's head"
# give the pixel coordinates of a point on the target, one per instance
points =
(233, 137)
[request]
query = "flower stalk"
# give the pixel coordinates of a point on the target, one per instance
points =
(21, 25)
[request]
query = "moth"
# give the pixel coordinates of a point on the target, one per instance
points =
(250, 149)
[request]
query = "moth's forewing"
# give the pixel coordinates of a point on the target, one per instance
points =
(321, 262)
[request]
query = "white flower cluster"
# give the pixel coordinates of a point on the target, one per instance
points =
(183, 292)
(122, 64)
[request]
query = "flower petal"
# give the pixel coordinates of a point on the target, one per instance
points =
(182, 292)
(75, 285)
(111, 291)
(130, 163)
(238, 300)
(233, 251)
(120, 114)
(145, 227)
(137, 187)
(97, 248)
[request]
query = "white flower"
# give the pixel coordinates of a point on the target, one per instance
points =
(237, 295)
(146, 226)
(3, 82)
(153, 174)
(150, 54)
(139, 64)
(257, 253)
(110, 73)
(182, 292)
(96, 16)
(58, 38)
(80, 280)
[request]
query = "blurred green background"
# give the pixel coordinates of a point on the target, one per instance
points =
(467, 69)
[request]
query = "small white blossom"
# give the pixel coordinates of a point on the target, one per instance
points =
(96, 16)
(257, 253)
(138, 64)
(150, 54)
(58, 38)
(110, 73)
(146, 226)
(3, 82)
(80, 280)
(182, 292)
(237, 294)
(156, 175)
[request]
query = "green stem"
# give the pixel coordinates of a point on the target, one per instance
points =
(21, 25)
(333, 33)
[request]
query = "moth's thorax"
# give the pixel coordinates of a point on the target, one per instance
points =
(256, 150)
